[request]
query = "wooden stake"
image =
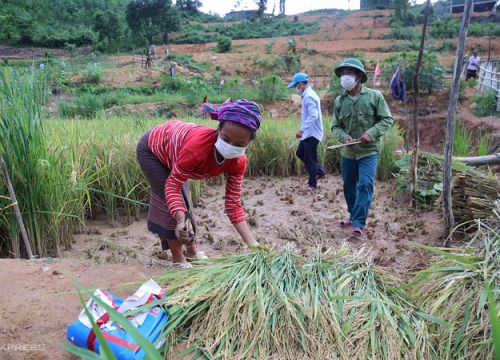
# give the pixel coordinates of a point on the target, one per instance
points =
(19, 217)
(450, 123)
(416, 147)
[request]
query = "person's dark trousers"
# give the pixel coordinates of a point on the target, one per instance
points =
(308, 153)
(359, 176)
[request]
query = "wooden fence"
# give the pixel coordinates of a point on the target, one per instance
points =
(489, 78)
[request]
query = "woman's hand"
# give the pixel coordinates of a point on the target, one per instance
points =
(181, 232)
(246, 235)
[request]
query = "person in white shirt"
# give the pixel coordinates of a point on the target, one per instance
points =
(473, 66)
(311, 129)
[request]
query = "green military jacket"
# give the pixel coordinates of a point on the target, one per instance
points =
(368, 113)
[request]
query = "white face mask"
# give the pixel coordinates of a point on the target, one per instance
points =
(348, 82)
(229, 151)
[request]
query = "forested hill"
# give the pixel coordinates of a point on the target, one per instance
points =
(59, 23)
(106, 24)
(109, 25)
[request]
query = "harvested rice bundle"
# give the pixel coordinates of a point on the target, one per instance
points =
(474, 196)
(455, 290)
(267, 305)
(473, 191)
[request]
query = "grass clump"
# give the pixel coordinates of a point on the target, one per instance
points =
(93, 73)
(462, 141)
(281, 305)
(485, 104)
(391, 140)
(46, 185)
(455, 289)
(484, 143)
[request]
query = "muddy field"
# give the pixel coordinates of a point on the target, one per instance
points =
(37, 301)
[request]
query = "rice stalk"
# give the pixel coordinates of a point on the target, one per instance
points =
(283, 306)
(455, 290)
(49, 201)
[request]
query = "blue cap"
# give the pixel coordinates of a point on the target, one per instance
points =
(299, 77)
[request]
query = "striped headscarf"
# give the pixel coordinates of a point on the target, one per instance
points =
(241, 111)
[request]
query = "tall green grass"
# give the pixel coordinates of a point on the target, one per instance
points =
(49, 199)
(483, 143)
(391, 141)
(462, 142)
(455, 289)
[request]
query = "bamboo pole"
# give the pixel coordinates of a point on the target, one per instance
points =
(450, 124)
(493, 159)
(19, 217)
(416, 148)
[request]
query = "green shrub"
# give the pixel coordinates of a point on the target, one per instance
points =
(431, 77)
(269, 46)
(271, 88)
(174, 84)
(485, 104)
(449, 29)
(235, 87)
(403, 33)
(196, 91)
(224, 43)
(291, 62)
(268, 62)
(93, 73)
(265, 28)
(400, 46)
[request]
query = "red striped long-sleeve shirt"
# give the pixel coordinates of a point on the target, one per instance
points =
(188, 151)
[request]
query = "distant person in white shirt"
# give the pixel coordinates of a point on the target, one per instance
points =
(311, 129)
(473, 67)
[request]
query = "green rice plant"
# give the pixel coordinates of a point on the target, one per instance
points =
(462, 141)
(483, 143)
(93, 73)
(391, 140)
(47, 192)
(195, 191)
(105, 152)
(455, 290)
(281, 305)
(271, 88)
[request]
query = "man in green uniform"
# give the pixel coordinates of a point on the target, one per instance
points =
(360, 114)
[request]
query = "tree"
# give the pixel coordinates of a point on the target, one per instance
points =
(400, 9)
(189, 6)
(262, 6)
(450, 123)
(282, 7)
(107, 25)
(224, 43)
(171, 21)
(150, 17)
